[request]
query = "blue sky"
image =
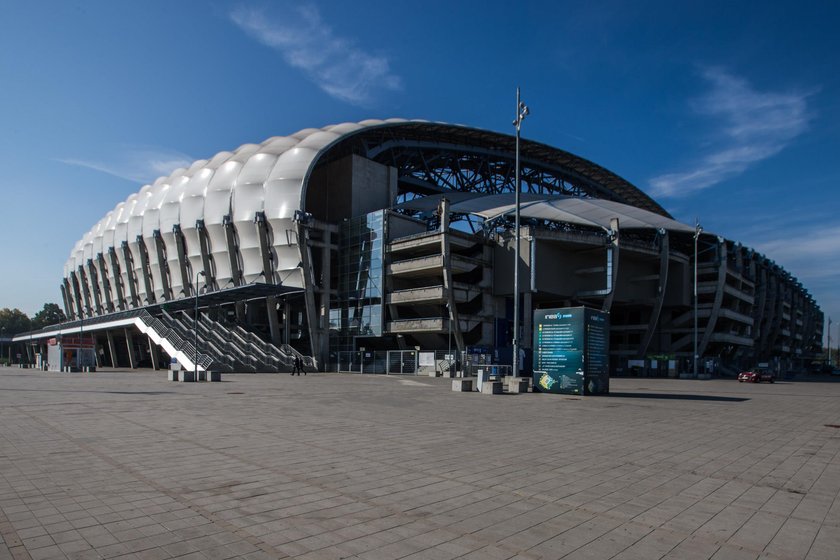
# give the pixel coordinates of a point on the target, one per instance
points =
(726, 111)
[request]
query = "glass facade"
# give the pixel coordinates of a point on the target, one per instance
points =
(358, 308)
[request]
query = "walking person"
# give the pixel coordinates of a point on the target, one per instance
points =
(297, 366)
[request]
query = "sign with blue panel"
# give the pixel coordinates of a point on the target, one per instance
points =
(571, 351)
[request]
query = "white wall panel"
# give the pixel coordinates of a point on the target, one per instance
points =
(216, 207)
(277, 145)
(344, 128)
(303, 133)
(318, 140)
(101, 244)
(151, 223)
(86, 284)
(135, 232)
(264, 177)
(120, 235)
(170, 216)
(247, 201)
(192, 210)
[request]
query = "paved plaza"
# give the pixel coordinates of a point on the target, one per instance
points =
(128, 465)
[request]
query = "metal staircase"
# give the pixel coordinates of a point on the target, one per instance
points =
(173, 342)
(283, 356)
(230, 347)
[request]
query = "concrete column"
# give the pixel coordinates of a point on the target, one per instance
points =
(233, 252)
(112, 349)
(117, 278)
(160, 251)
(488, 326)
(130, 346)
(94, 287)
(235, 270)
(85, 290)
(614, 252)
(709, 329)
(77, 294)
(309, 295)
(204, 248)
(144, 265)
(153, 352)
(106, 282)
(662, 283)
(181, 247)
(324, 311)
(287, 322)
(448, 286)
(129, 273)
(65, 298)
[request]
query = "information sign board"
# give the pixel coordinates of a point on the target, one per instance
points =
(571, 351)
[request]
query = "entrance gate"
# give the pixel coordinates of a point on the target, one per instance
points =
(402, 362)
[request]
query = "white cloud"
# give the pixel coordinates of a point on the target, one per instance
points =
(333, 63)
(140, 165)
(754, 126)
(809, 253)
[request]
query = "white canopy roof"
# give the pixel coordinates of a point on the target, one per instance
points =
(581, 211)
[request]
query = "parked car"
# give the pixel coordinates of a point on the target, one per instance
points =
(756, 376)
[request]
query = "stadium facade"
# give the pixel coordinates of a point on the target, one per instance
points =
(398, 235)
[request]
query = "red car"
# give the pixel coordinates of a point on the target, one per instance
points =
(756, 376)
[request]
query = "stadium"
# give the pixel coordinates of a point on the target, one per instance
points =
(361, 246)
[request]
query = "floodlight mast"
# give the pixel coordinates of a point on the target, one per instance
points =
(195, 327)
(521, 112)
(698, 229)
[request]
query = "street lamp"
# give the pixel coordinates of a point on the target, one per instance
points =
(449, 352)
(3, 337)
(521, 112)
(697, 231)
(81, 337)
(195, 326)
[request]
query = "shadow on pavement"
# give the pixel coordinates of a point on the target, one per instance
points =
(676, 396)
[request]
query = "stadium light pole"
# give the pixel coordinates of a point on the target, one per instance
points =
(81, 337)
(195, 327)
(697, 231)
(521, 112)
(449, 352)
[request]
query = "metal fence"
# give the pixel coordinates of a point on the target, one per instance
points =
(403, 362)
(361, 362)
(413, 362)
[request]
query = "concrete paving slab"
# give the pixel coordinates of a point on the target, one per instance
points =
(126, 465)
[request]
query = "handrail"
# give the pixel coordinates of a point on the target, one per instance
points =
(251, 340)
(168, 333)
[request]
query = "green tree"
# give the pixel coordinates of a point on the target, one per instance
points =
(13, 321)
(51, 314)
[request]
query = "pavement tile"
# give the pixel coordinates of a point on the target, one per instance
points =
(344, 466)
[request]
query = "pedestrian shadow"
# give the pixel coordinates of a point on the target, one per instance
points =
(676, 396)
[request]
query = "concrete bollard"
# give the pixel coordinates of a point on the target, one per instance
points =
(516, 384)
(491, 388)
(463, 384)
